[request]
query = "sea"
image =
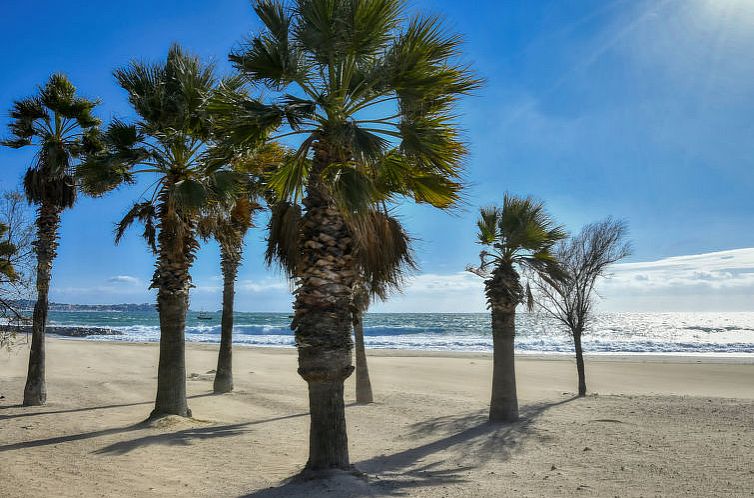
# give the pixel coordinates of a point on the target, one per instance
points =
(727, 334)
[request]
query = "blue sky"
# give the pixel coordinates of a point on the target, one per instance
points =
(637, 109)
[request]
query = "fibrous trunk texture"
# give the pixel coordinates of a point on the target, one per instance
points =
(230, 259)
(580, 362)
(176, 248)
(503, 294)
(48, 221)
(322, 323)
(363, 384)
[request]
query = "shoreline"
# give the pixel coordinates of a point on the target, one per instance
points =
(680, 357)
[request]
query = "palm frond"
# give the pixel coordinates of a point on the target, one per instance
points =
(382, 250)
(110, 157)
(144, 212)
(58, 94)
(288, 180)
(270, 58)
(189, 195)
(283, 235)
(351, 187)
(488, 224)
(238, 120)
(369, 25)
(420, 68)
(23, 115)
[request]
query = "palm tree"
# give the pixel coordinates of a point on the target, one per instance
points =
(228, 228)
(58, 123)
(383, 262)
(361, 299)
(228, 224)
(169, 145)
(520, 236)
(371, 95)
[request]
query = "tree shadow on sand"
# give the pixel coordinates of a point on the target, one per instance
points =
(470, 435)
(181, 437)
(31, 412)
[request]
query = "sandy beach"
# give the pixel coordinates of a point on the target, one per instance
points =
(667, 426)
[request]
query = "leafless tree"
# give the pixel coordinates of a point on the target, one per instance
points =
(19, 233)
(585, 258)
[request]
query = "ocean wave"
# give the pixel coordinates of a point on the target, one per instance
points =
(619, 333)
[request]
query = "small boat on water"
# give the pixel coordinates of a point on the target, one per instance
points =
(204, 316)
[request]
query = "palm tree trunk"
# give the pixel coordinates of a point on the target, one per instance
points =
(171, 371)
(504, 292)
(176, 248)
(504, 402)
(322, 324)
(48, 221)
(580, 362)
(230, 259)
(363, 385)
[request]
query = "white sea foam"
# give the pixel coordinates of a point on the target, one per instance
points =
(613, 333)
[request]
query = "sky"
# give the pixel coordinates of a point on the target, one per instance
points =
(642, 110)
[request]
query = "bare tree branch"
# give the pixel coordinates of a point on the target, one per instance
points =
(14, 214)
(585, 258)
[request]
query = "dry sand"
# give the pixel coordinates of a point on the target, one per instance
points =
(659, 426)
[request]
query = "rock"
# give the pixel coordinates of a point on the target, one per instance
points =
(71, 331)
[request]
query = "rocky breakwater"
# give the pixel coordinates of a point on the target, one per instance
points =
(68, 331)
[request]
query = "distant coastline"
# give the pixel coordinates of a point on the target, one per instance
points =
(28, 304)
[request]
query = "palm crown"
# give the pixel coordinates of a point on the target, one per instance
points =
(170, 141)
(370, 94)
(520, 235)
(61, 125)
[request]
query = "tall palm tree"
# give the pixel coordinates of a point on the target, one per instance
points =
(520, 237)
(228, 228)
(371, 95)
(228, 224)
(57, 123)
(168, 144)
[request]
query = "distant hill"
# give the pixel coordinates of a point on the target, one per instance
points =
(27, 304)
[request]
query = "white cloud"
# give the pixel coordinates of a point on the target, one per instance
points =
(716, 281)
(124, 279)
(722, 280)
(723, 270)
(263, 285)
(268, 284)
(460, 292)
